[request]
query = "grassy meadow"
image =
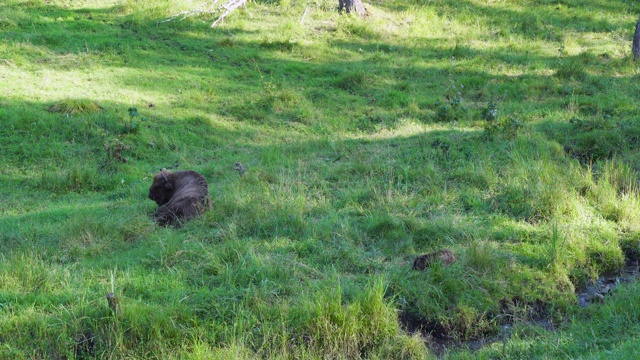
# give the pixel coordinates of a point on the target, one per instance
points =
(505, 131)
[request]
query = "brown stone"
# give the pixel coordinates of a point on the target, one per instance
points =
(445, 257)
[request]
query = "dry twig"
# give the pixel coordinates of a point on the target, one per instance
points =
(304, 14)
(8, 62)
(208, 8)
(636, 43)
(230, 6)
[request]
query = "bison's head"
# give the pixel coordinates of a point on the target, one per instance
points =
(162, 189)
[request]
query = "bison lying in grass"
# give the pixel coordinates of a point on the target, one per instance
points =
(181, 195)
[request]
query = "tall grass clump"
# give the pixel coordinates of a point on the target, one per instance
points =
(145, 13)
(365, 326)
(615, 193)
(75, 106)
(556, 250)
(78, 178)
(571, 69)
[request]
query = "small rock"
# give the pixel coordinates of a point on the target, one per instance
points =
(240, 168)
(424, 261)
(113, 302)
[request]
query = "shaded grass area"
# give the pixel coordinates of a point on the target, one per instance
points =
(507, 133)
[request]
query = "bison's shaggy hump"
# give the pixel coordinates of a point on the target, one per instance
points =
(181, 195)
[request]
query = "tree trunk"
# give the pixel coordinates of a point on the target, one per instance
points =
(352, 6)
(636, 42)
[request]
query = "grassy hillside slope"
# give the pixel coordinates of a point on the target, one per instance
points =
(507, 132)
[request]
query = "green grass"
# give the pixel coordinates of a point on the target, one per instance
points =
(507, 132)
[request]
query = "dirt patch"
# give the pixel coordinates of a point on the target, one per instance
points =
(84, 345)
(517, 310)
(596, 291)
(441, 340)
(414, 323)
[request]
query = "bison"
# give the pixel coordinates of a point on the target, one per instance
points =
(181, 195)
(424, 261)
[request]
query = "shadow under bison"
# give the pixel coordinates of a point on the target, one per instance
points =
(181, 195)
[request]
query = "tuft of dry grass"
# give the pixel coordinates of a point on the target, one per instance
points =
(75, 106)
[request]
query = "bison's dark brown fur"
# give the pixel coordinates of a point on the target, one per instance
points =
(181, 195)
(424, 261)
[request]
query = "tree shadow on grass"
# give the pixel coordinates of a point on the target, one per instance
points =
(294, 98)
(542, 20)
(215, 68)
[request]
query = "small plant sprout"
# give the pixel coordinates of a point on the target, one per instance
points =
(112, 299)
(490, 113)
(556, 248)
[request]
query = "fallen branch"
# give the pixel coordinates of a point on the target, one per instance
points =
(8, 62)
(206, 8)
(304, 14)
(230, 6)
(635, 49)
